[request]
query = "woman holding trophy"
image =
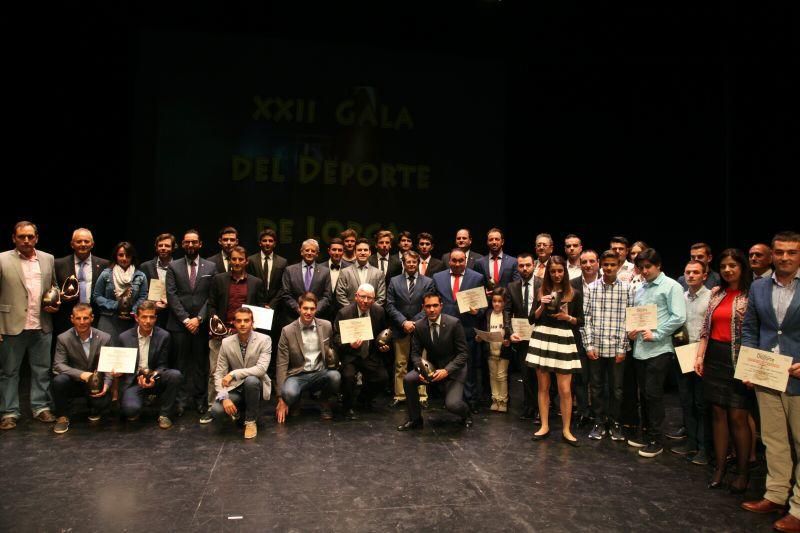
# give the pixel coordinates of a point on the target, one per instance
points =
(118, 292)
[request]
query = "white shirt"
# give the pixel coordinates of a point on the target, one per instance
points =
(438, 323)
(574, 271)
(144, 347)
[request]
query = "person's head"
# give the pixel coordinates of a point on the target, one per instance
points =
(349, 237)
(243, 321)
(336, 249)
(238, 260)
(425, 244)
(589, 263)
(267, 240)
(25, 237)
(637, 248)
(124, 255)
(734, 270)
(81, 318)
(383, 241)
(228, 238)
(165, 246)
(458, 261)
(463, 239)
(786, 253)
(307, 304)
(621, 246)
(82, 243)
(760, 256)
(410, 261)
(404, 241)
(498, 299)
(432, 305)
(309, 250)
(495, 241)
(362, 251)
(365, 295)
(649, 263)
(556, 277)
(525, 266)
(610, 264)
(544, 247)
(700, 251)
(191, 243)
(146, 317)
(573, 247)
(695, 274)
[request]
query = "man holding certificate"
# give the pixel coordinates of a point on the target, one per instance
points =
(772, 323)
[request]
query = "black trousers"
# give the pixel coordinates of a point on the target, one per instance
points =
(453, 399)
(651, 374)
(65, 389)
(166, 389)
(605, 370)
(530, 385)
(191, 359)
(374, 377)
(246, 396)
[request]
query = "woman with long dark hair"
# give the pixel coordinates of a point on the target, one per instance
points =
(120, 282)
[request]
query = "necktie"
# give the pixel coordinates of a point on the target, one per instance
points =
(192, 274)
(496, 269)
(435, 331)
(525, 296)
(455, 285)
(266, 271)
(423, 266)
(383, 264)
(227, 263)
(308, 277)
(335, 266)
(410, 284)
(82, 282)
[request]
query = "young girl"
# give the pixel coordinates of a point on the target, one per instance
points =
(498, 353)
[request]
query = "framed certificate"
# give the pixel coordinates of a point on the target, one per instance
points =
(471, 298)
(641, 317)
(355, 329)
(763, 368)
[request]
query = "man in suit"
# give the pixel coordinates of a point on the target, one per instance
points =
(521, 294)
(404, 308)
(240, 378)
(404, 244)
(543, 246)
(363, 356)
(359, 273)
(464, 243)
(76, 357)
(335, 264)
(448, 283)
(443, 340)
(301, 361)
(269, 267)
(590, 266)
(26, 325)
(229, 291)
(188, 286)
(228, 239)
(156, 268)
(153, 345)
(498, 267)
(306, 276)
(85, 267)
(428, 265)
(772, 323)
(573, 247)
(383, 259)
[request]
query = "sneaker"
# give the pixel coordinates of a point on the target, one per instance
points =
(62, 425)
(94, 417)
(164, 422)
(637, 441)
(616, 432)
(250, 429)
(45, 416)
(651, 450)
(206, 418)
(700, 458)
(677, 435)
(598, 432)
(683, 449)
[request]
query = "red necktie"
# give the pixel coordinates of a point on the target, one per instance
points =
(455, 285)
(496, 272)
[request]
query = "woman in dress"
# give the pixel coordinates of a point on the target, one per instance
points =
(717, 353)
(111, 287)
(553, 348)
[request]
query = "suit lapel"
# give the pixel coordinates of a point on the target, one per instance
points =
(17, 263)
(768, 302)
(793, 306)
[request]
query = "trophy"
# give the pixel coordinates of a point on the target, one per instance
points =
(71, 287)
(125, 302)
(555, 303)
(490, 284)
(149, 374)
(217, 328)
(425, 369)
(384, 338)
(95, 383)
(681, 337)
(51, 298)
(331, 358)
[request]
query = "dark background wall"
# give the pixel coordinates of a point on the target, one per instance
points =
(670, 124)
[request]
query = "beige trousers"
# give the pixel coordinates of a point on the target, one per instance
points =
(780, 416)
(498, 378)
(402, 347)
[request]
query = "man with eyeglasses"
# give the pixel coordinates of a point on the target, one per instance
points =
(543, 249)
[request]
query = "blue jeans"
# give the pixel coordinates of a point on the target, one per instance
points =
(13, 348)
(325, 380)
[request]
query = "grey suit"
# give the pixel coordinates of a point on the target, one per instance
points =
(250, 380)
(17, 341)
(349, 281)
(70, 362)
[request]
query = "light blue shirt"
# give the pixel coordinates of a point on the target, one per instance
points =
(85, 344)
(667, 295)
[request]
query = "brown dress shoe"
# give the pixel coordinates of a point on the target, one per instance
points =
(763, 506)
(788, 523)
(8, 422)
(45, 416)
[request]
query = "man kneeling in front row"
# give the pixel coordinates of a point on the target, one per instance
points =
(153, 345)
(241, 379)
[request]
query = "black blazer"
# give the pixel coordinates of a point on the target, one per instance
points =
(394, 267)
(157, 355)
(514, 303)
(218, 295)
(378, 318)
(185, 302)
(449, 353)
(434, 266)
(273, 292)
(217, 260)
(65, 267)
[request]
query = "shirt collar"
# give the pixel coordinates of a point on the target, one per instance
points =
(658, 279)
(312, 326)
(701, 291)
(77, 261)
(139, 334)
(603, 280)
(778, 283)
(265, 256)
(438, 321)
(89, 338)
(34, 257)
(499, 256)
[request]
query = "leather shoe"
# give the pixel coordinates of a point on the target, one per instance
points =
(788, 523)
(573, 443)
(541, 436)
(395, 402)
(467, 422)
(408, 425)
(45, 416)
(179, 410)
(763, 506)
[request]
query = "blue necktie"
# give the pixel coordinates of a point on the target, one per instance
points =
(308, 278)
(82, 282)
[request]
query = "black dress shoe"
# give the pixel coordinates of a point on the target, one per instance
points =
(527, 414)
(539, 437)
(408, 425)
(349, 414)
(715, 484)
(467, 422)
(179, 410)
(573, 443)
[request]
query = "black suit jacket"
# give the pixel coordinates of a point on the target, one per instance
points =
(157, 354)
(449, 353)
(434, 266)
(185, 302)
(515, 305)
(294, 286)
(273, 292)
(65, 267)
(394, 266)
(217, 260)
(378, 318)
(218, 295)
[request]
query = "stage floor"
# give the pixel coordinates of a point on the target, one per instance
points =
(362, 475)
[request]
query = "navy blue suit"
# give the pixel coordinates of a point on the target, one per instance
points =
(508, 269)
(402, 306)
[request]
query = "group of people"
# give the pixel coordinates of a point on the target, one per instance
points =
(197, 345)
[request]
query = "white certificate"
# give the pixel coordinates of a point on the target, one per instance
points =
(686, 356)
(642, 317)
(262, 317)
(522, 327)
(122, 360)
(157, 291)
(767, 369)
(471, 298)
(489, 336)
(354, 329)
